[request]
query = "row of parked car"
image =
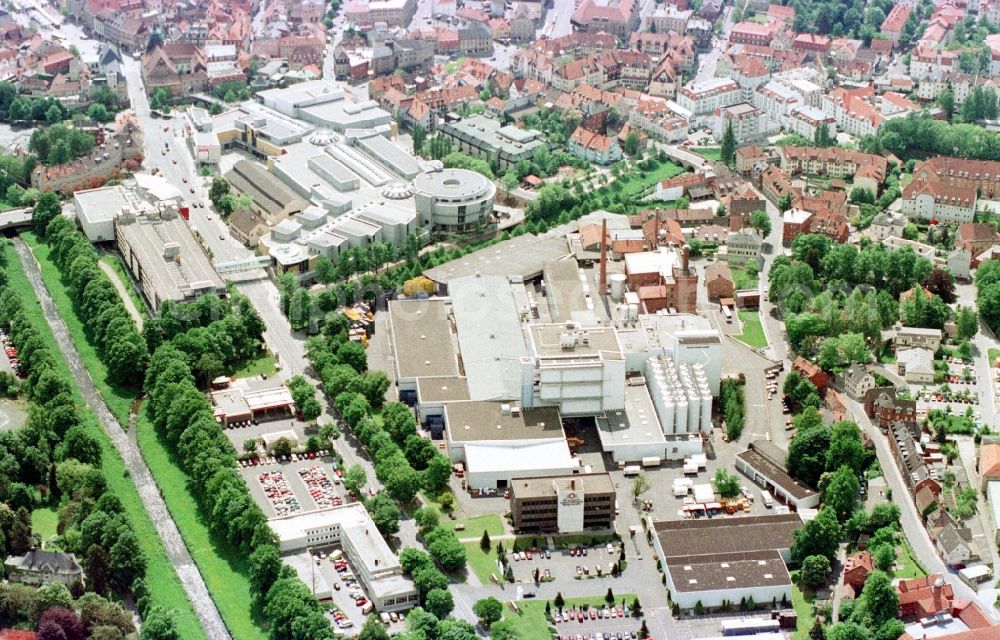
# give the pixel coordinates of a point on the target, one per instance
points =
(613, 635)
(593, 613)
(11, 351)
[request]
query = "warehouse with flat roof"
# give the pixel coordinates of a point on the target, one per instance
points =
(719, 560)
(499, 441)
(422, 342)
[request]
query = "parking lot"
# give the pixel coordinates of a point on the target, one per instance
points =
(321, 575)
(563, 564)
(286, 488)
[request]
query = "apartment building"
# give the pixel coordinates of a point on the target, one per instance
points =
(704, 97)
(941, 201)
(835, 162)
(980, 175)
(892, 26)
(563, 504)
(748, 122)
(617, 17)
(752, 33)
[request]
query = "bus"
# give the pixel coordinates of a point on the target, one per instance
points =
(727, 314)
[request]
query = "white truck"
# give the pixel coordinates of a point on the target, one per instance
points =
(632, 470)
(651, 461)
(766, 498)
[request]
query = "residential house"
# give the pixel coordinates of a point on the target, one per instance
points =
(923, 597)
(937, 200)
(744, 246)
(909, 454)
(980, 175)
(857, 381)
(989, 464)
(719, 281)
(916, 365)
(910, 337)
(38, 567)
(594, 147)
(616, 17)
(868, 170)
(887, 410)
(955, 545)
(892, 26)
(811, 372)
(959, 262)
(887, 224)
(179, 68)
(976, 237)
(857, 567)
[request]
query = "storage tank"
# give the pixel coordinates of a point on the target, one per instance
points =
(694, 412)
(706, 412)
(617, 286)
(633, 313)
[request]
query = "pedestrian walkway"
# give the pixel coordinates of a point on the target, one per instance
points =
(152, 501)
(122, 290)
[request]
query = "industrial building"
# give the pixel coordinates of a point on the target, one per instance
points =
(234, 405)
(764, 463)
(528, 330)
(499, 441)
(96, 209)
(563, 504)
(369, 556)
(326, 103)
(718, 560)
(163, 255)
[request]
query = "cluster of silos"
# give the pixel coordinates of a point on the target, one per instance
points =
(680, 395)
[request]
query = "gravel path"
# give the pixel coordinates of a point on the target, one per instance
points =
(190, 578)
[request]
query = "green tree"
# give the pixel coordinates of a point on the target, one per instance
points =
(158, 624)
(373, 630)
(841, 493)
(45, 210)
(484, 542)
(966, 322)
(632, 144)
(419, 136)
(878, 603)
(815, 571)
(727, 149)
(439, 602)
(488, 610)
(355, 478)
(726, 484)
(640, 485)
(99, 113)
(504, 630)
(819, 536)
(384, 513)
(760, 221)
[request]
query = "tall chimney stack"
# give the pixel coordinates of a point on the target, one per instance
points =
(685, 259)
(603, 283)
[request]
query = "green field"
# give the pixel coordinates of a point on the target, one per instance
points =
(744, 278)
(228, 586)
(532, 624)
(753, 331)
(474, 527)
(636, 182)
(803, 609)
(224, 572)
(43, 522)
(115, 262)
(712, 153)
(482, 564)
(907, 565)
(118, 398)
(262, 365)
(165, 587)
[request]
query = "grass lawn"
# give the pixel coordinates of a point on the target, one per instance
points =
(482, 564)
(994, 355)
(474, 527)
(636, 182)
(803, 609)
(532, 624)
(43, 522)
(118, 398)
(712, 153)
(743, 278)
(907, 565)
(224, 571)
(753, 331)
(165, 587)
(116, 263)
(262, 365)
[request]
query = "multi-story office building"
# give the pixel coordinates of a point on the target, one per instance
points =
(563, 504)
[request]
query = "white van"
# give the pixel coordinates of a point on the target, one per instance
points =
(767, 499)
(367, 608)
